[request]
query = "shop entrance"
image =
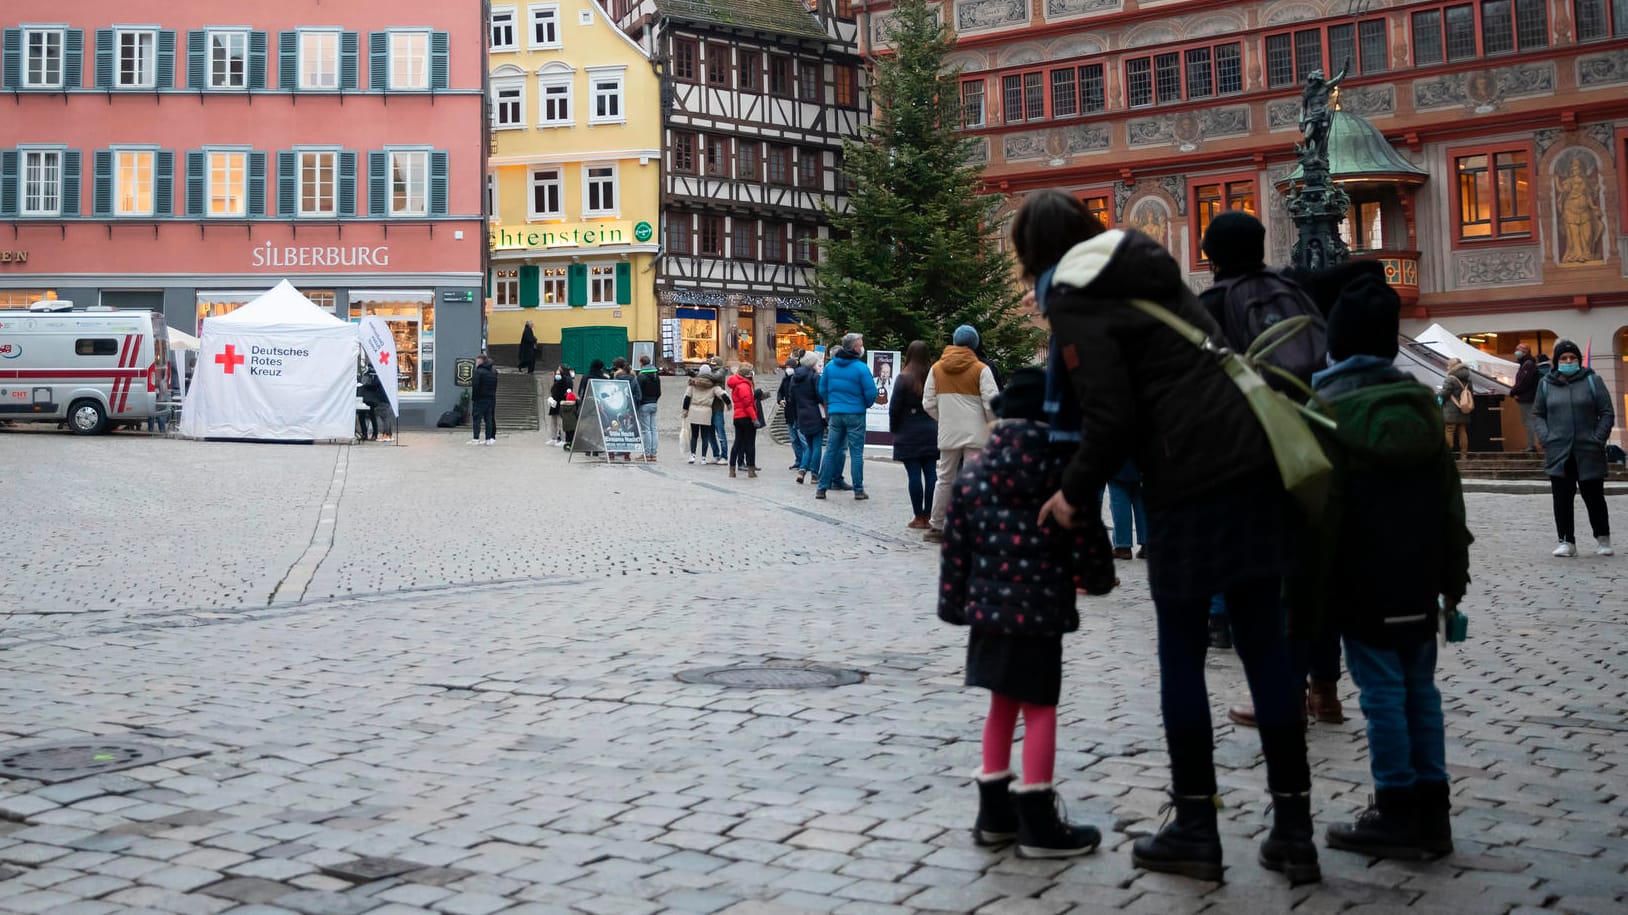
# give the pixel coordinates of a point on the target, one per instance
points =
(580, 346)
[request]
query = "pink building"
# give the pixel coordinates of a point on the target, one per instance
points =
(185, 156)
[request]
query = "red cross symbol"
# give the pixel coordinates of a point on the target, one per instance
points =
(384, 357)
(231, 359)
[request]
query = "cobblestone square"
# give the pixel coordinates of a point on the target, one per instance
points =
(441, 678)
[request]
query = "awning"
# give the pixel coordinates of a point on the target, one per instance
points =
(697, 314)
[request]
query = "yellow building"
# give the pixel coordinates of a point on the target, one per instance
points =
(574, 182)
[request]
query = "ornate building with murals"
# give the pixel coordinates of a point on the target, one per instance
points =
(1484, 144)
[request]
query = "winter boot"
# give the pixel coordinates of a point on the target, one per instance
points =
(1289, 848)
(1431, 803)
(1220, 632)
(1190, 846)
(1323, 702)
(997, 812)
(1042, 833)
(1387, 829)
(732, 471)
(752, 472)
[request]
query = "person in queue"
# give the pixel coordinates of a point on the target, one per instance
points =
(1574, 417)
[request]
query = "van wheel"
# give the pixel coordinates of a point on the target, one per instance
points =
(86, 417)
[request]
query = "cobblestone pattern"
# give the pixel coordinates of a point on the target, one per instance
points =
(525, 746)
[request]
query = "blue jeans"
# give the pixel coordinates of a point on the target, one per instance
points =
(647, 426)
(850, 428)
(812, 446)
(798, 446)
(1258, 632)
(720, 430)
(1407, 739)
(1125, 503)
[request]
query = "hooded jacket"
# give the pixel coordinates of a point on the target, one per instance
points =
(1457, 380)
(740, 391)
(1393, 536)
(999, 570)
(958, 393)
(847, 385)
(803, 398)
(702, 392)
(1573, 416)
(648, 385)
(1145, 393)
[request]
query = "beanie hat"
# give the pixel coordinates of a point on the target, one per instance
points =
(966, 335)
(1365, 320)
(1235, 240)
(1024, 396)
(1566, 346)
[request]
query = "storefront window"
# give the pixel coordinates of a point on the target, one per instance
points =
(744, 325)
(411, 316)
(789, 334)
(20, 298)
(213, 304)
(697, 334)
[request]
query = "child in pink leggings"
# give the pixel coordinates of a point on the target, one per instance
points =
(1012, 582)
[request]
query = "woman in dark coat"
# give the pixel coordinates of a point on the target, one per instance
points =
(563, 383)
(528, 350)
(1573, 416)
(1218, 517)
(804, 396)
(915, 434)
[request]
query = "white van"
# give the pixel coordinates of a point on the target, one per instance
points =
(91, 369)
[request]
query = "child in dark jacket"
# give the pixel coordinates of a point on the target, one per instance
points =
(1013, 582)
(1391, 462)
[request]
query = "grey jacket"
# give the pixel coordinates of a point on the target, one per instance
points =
(1573, 417)
(1455, 382)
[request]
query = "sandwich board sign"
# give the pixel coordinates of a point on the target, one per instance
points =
(609, 422)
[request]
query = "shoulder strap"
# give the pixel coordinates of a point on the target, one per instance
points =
(1173, 321)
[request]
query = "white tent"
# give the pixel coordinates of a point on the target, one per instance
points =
(277, 369)
(181, 340)
(1448, 344)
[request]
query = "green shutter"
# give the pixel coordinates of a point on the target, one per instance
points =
(438, 183)
(287, 184)
(576, 285)
(104, 58)
(347, 184)
(197, 59)
(257, 60)
(624, 283)
(195, 183)
(531, 291)
(439, 43)
(378, 183)
(163, 182)
(11, 58)
(288, 63)
(257, 184)
(378, 70)
(70, 182)
(102, 178)
(166, 59)
(348, 42)
(8, 182)
(73, 60)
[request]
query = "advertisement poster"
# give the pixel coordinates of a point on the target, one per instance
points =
(884, 365)
(618, 418)
(380, 348)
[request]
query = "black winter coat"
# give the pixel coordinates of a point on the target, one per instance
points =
(805, 402)
(484, 386)
(1000, 571)
(1574, 418)
(1145, 393)
(915, 433)
(1526, 381)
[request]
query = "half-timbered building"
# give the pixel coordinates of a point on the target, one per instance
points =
(757, 96)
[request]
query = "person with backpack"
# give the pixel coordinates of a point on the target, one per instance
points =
(1574, 417)
(1248, 297)
(1216, 505)
(1382, 592)
(1457, 403)
(647, 387)
(1012, 579)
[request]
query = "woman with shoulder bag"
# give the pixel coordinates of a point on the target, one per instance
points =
(915, 433)
(1573, 416)
(1455, 393)
(1218, 514)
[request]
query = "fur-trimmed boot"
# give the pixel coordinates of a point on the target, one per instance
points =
(1043, 832)
(1189, 845)
(997, 814)
(1289, 848)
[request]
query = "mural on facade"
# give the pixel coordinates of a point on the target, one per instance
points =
(1153, 220)
(1577, 209)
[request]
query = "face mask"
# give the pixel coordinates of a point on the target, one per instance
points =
(1570, 368)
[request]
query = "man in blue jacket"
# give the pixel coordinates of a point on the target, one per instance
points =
(848, 390)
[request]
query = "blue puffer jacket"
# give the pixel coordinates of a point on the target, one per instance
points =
(847, 385)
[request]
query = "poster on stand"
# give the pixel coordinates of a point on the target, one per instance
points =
(380, 347)
(611, 425)
(884, 365)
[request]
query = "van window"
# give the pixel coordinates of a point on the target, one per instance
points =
(96, 347)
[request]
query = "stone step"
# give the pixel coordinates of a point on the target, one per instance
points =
(517, 403)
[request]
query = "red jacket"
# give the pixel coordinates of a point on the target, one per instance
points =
(740, 391)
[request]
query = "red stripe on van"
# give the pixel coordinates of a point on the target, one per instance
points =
(76, 374)
(118, 379)
(127, 358)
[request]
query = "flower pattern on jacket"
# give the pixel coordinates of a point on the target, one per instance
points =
(1002, 572)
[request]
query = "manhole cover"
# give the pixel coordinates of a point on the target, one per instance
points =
(67, 760)
(773, 677)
